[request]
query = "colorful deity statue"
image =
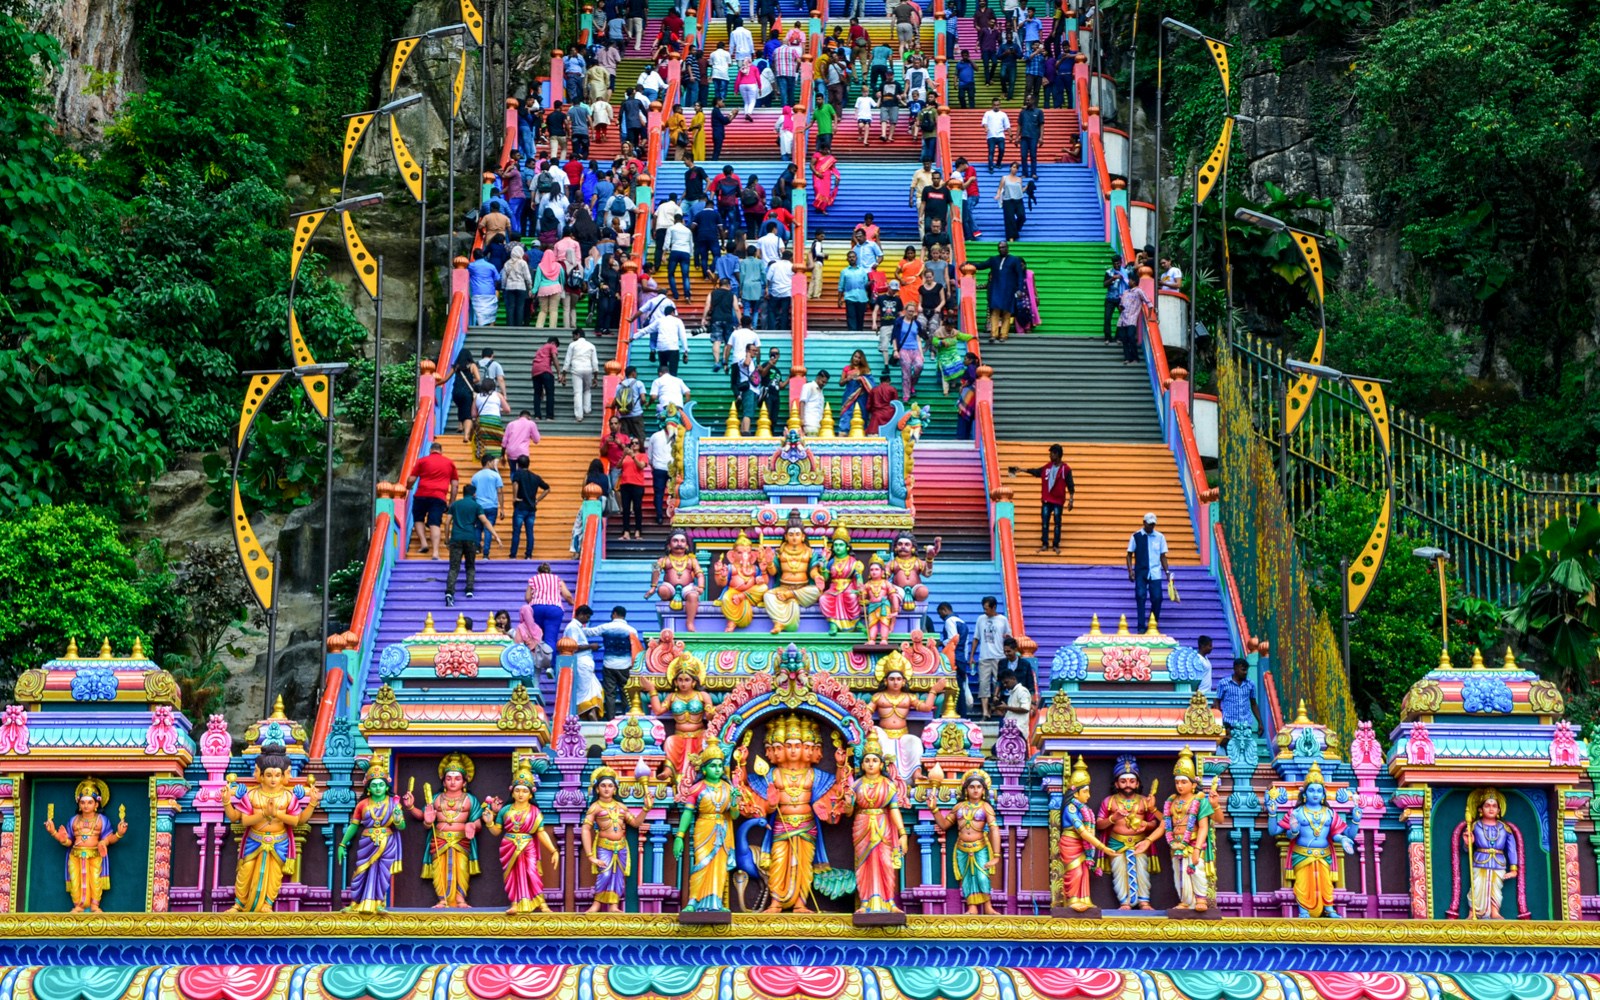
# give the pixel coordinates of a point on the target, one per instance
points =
(792, 462)
(842, 573)
(378, 819)
(742, 575)
(86, 838)
(796, 797)
(524, 842)
(1312, 828)
(799, 580)
(892, 707)
(1131, 826)
(907, 569)
(977, 853)
(711, 805)
(451, 857)
(879, 601)
(689, 707)
(1491, 845)
(269, 813)
(1078, 846)
(677, 578)
(605, 839)
(878, 832)
(1188, 827)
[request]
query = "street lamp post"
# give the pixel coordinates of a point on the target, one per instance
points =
(1439, 557)
(1306, 243)
(1167, 24)
(1227, 259)
(331, 371)
(1355, 581)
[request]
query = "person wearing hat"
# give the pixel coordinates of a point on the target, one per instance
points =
(1147, 568)
(885, 312)
(1131, 825)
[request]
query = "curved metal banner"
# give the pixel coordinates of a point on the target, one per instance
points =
(366, 266)
(402, 52)
(354, 128)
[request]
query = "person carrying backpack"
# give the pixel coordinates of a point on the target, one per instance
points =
(630, 404)
(727, 190)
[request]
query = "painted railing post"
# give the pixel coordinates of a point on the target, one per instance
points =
(558, 77)
(1118, 200)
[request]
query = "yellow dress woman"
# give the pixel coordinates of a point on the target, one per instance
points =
(712, 806)
(269, 813)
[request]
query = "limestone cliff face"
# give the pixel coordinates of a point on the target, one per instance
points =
(99, 61)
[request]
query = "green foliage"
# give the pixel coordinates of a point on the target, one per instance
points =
(215, 615)
(344, 585)
(399, 396)
(65, 573)
(1332, 12)
(1373, 334)
(1395, 638)
(282, 466)
(1557, 609)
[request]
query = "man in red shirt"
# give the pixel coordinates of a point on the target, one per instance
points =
(1055, 492)
(969, 173)
(436, 479)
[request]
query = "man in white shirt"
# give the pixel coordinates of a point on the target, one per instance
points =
(1147, 568)
(669, 337)
(812, 400)
(996, 127)
(741, 44)
(740, 340)
(665, 215)
(919, 180)
(659, 451)
(668, 390)
(989, 640)
(1171, 276)
(652, 84)
(1019, 700)
(780, 289)
(680, 251)
(770, 246)
(580, 366)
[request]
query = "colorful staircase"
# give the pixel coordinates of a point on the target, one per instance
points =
(947, 490)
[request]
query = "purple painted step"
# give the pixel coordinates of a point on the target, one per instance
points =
(416, 589)
(1059, 601)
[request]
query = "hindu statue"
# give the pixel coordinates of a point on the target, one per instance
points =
(1312, 828)
(269, 813)
(977, 853)
(1077, 847)
(907, 569)
(524, 842)
(892, 706)
(792, 462)
(677, 579)
(711, 805)
(1187, 815)
(86, 839)
(1131, 825)
(796, 797)
(378, 819)
(450, 858)
(879, 601)
(842, 575)
(799, 582)
(605, 839)
(878, 832)
(1491, 845)
(742, 575)
(689, 707)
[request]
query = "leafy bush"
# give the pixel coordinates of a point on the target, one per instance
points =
(66, 573)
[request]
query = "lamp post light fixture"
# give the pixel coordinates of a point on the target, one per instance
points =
(1355, 581)
(1439, 557)
(1218, 50)
(1298, 399)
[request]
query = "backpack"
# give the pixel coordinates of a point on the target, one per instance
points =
(545, 184)
(575, 283)
(619, 205)
(628, 397)
(749, 198)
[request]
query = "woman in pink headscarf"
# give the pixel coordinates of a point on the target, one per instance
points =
(824, 181)
(785, 130)
(549, 287)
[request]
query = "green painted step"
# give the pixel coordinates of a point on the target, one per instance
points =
(1067, 278)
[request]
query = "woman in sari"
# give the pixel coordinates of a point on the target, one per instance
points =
(521, 826)
(854, 384)
(677, 125)
(489, 406)
(909, 274)
(825, 181)
(697, 133)
(378, 819)
(878, 833)
(709, 813)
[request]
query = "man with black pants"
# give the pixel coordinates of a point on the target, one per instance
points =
(659, 452)
(1147, 570)
(1055, 494)
(1116, 283)
(1030, 132)
(466, 518)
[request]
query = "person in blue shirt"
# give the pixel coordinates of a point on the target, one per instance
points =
(1148, 569)
(487, 482)
(1236, 696)
(854, 293)
(727, 265)
(483, 283)
(966, 82)
(1116, 282)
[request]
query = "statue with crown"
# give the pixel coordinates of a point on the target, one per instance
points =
(1312, 829)
(86, 837)
(796, 797)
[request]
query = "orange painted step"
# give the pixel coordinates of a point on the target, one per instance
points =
(562, 462)
(1116, 485)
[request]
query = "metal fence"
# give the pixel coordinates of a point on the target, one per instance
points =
(1484, 511)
